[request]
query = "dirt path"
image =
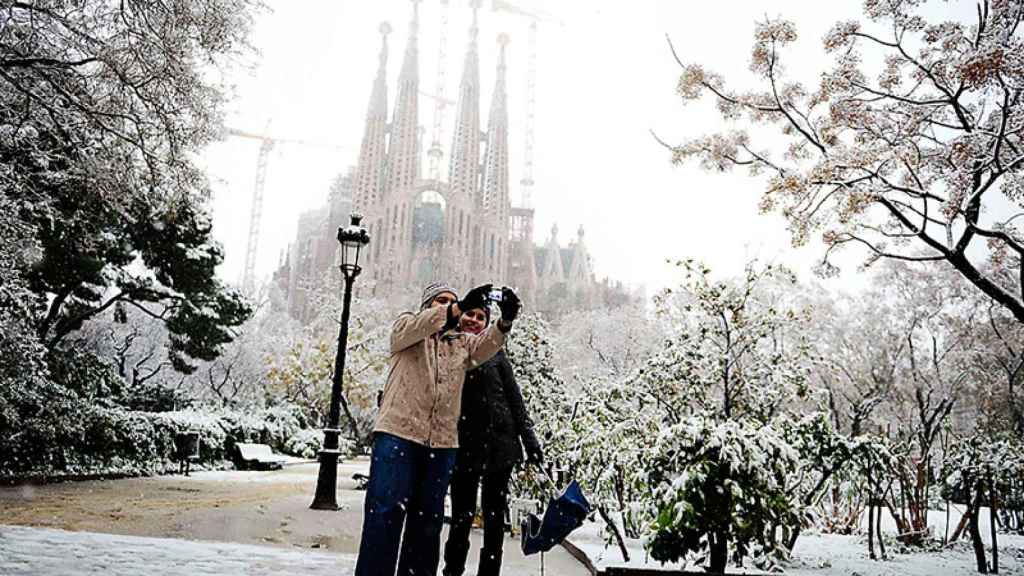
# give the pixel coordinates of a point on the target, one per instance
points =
(267, 508)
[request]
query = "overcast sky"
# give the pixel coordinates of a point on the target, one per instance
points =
(606, 78)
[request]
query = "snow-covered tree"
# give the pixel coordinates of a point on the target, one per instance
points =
(301, 368)
(981, 468)
(916, 155)
(25, 386)
(605, 342)
(102, 106)
(719, 485)
(734, 348)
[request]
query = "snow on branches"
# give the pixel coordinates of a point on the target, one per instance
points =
(902, 163)
(717, 483)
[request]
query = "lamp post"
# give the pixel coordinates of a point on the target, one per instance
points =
(352, 239)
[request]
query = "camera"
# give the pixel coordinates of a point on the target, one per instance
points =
(495, 294)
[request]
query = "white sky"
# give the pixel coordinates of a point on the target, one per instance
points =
(605, 78)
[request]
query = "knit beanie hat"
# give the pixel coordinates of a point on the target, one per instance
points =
(433, 290)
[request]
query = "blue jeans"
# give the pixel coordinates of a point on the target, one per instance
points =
(408, 482)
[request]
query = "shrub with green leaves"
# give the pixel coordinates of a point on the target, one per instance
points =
(717, 484)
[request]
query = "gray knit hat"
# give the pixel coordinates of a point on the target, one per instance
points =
(433, 290)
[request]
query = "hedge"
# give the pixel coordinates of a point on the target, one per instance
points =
(71, 439)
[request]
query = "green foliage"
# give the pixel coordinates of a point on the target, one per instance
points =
(101, 108)
(724, 481)
(87, 375)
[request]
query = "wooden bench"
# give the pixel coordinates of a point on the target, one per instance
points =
(257, 457)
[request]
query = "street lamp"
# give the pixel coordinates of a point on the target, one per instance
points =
(352, 239)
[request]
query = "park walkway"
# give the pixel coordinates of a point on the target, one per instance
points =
(226, 522)
(26, 551)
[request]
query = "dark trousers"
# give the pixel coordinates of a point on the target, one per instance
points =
(408, 482)
(494, 502)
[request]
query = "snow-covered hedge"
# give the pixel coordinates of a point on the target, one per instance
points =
(307, 443)
(74, 439)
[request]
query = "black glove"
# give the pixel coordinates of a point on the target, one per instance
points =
(509, 305)
(534, 453)
(475, 298)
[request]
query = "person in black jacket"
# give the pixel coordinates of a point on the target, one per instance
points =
(493, 423)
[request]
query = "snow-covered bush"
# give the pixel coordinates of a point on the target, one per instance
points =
(718, 484)
(281, 423)
(73, 438)
(307, 443)
(981, 469)
(550, 405)
(25, 387)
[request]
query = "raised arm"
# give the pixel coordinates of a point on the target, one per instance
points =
(411, 328)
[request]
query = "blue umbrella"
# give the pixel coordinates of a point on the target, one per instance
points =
(564, 514)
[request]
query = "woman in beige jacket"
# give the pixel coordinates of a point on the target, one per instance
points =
(416, 433)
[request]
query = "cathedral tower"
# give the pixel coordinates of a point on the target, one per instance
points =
(463, 227)
(493, 202)
(368, 181)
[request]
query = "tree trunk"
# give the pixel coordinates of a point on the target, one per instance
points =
(871, 531)
(878, 531)
(719, 552)
(792, 536)
(979, 546)
(615, 532)
(992, 523)
(945, 536)
(964, 520)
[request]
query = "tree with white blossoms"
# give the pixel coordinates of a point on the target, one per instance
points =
(918, 155)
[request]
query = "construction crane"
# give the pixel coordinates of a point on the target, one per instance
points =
(531, 90)
(267, 144)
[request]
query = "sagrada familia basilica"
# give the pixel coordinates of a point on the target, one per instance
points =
(463, 228)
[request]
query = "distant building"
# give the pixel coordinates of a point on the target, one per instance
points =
(462, 229)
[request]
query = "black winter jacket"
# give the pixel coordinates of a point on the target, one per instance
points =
(494, 417)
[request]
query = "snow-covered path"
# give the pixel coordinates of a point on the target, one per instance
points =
(28, 551)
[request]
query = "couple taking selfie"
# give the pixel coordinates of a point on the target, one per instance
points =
(451, 414)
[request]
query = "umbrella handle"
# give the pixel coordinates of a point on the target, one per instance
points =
(554, 487)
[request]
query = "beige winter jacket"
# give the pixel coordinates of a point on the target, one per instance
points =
(423, 395)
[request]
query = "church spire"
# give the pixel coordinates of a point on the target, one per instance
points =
(403, 152)
(369, 176)
(553, 271)
(494, 199)
(463, 169)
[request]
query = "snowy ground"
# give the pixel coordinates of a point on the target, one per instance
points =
(230, 522)
(226, 515)
(836, 555)
(48, 552)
